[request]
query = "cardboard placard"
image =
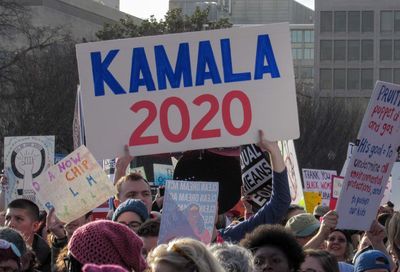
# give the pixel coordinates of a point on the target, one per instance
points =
(74, 186)
(25, 158)
(372, 159)
(289, 156)
(188, 91)
(317, 180)
(189, 210)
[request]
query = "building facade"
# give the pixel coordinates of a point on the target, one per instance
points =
(82, 18)
(356, 43)
(302, 38)
(250, 11)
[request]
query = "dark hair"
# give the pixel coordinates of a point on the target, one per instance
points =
(74, 265)
(276, 236)
(327, 260)
(25, 204)
(292, 207)
(149, 228)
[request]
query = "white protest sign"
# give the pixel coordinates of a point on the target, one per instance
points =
(395, 196)
(348, 157)
(25, 158)
(189, 210)
(78, 126)
(372, 159)
(336, 188)
(289, 156)
(316, 180)
(188, 91)
(74, 186)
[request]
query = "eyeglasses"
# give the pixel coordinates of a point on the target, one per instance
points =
(133, 225)
(4, 244)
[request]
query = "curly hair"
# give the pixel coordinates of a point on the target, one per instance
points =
(275, 236)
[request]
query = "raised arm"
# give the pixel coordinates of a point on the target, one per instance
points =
(121, 164)
(276, 208)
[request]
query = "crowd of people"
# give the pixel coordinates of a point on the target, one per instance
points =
(279, 237)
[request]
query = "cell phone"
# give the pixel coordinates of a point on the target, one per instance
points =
(161, 189)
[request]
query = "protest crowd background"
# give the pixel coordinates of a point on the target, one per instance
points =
(223, 194)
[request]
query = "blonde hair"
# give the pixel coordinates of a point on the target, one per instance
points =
(185, 254)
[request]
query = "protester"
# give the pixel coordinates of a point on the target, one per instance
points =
(131, 213)
(292, 211)
(393, 231)
(274, 248)
(10, 257)
(339, 245)
(328, 223)
(134, 186)
(61, 233)
(148, 232)
(105, 242)
(183, 255)
(274, 211)
(23, 215)
(372, 261)
(13, 236)
(319, 260)
(233, 258)
(303, 226)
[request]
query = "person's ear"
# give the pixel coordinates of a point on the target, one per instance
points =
(116, 202)
(36, 226)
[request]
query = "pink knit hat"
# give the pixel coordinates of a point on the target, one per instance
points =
(107, 242)
(103, 268)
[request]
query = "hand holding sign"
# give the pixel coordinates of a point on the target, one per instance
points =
(277, 163)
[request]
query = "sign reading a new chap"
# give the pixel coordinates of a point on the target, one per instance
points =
(188, 91)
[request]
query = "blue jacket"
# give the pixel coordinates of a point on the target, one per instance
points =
(272, 213)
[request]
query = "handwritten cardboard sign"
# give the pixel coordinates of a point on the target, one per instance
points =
(25, 158)
(372, 159)
(316, 180)
(188, 91)
(74, 186)
(189, 210)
